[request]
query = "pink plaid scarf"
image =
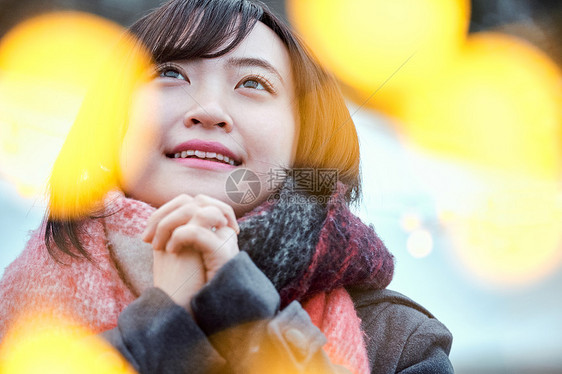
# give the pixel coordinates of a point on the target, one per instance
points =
(95, 293)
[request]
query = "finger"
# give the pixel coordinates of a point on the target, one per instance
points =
(227, 234)
(216, 249)
(217, 257)
(162, 212)
(208, 217)
(166, 226)
(225, 209)
(192, 237)
(205, 217)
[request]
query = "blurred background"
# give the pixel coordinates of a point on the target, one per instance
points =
(458, 106)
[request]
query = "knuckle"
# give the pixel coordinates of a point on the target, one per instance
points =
(212, 211)
(180, 238)
(201, 214)
(184, 198)
(193, 233)
(228, 209)
(208, 213)
(163, 223)
(159, 230)
(185, 210)
(185, 231)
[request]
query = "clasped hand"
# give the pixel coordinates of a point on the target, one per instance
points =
(192, 238)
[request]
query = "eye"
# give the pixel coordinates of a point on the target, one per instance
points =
(171, 71)
(256, 83)
(252, 83)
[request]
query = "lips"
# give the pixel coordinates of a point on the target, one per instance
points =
(208, 150)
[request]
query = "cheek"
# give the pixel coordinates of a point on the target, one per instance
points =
(140, 141)
(275, 137)
(288, 137)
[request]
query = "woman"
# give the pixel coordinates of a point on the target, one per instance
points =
(179, 271)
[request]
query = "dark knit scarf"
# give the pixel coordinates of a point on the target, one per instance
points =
(306, 247)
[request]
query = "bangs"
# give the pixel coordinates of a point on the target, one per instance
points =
(188, 29)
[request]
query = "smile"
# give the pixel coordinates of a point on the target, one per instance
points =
(204, 150)
(212, 156)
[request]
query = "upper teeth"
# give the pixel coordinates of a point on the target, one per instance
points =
(201, 154)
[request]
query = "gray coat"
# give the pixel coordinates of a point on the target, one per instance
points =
(402, 336)
(237, 327)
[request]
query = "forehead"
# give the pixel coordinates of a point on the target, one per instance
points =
(263, 43)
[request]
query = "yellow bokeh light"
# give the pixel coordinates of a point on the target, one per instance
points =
(47, 64)
(512, 237)
(498, 107)
(87, 166)
(42, 344)
(368, 43)
(63, 48)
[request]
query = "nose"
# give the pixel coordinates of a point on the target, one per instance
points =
(209, 114)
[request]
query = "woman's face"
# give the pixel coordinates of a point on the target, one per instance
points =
(194, 114)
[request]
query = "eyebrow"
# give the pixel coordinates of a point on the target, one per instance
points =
(255, 62)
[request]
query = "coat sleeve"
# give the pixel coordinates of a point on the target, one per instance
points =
(402, 336)
(237, 328)
(239, 312)
(158, 336)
